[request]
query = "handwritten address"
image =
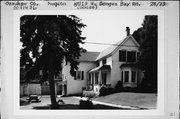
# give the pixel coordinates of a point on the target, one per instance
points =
(22, 5)
(32, 5)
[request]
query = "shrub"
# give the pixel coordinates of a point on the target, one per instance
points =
(85, 104)
(105, 91)
(144, 87)
(119, 87)
(89, 94)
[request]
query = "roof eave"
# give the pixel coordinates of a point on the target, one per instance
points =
(109, 55)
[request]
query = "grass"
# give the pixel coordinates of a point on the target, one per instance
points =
(142, 100)
(23, 102)
(70, 103)
(73, 106)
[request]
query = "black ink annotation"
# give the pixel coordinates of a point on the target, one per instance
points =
(56, 4)
(21, 3)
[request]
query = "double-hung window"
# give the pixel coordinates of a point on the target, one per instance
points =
(131, 56)
(126, 76)
(133, 76)
(79, 75)
(129, 76)
(127, 56)
(122, 55)
(104, 62)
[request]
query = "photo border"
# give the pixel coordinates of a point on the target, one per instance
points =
(170, 30)
(160, 97)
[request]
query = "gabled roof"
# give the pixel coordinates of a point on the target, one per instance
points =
(111, 49)
(88, 56)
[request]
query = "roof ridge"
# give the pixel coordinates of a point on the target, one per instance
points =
(89, 56)
(111, 49)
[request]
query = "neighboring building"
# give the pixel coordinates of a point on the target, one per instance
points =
(116, 63)
(35, 87)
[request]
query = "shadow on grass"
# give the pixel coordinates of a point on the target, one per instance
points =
(71, 106)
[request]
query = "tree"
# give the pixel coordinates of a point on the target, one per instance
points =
(147, 37)
(47, 41)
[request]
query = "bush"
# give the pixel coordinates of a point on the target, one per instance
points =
(89, 94)
(145, 87)
(85, 104)
(105, 91)
(119, 87)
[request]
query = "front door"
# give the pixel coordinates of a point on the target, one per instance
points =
(64, 89)
(104, 78)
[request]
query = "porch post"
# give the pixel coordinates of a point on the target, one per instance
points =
(92, 77)
(130, 74)
(99, 78)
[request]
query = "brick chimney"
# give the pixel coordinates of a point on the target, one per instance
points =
(128, 31)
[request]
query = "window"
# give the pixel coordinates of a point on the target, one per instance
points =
(104, 62)
(122, 56)
(127, 56)
(79, 75)
(126, 78)
(97, 64)
(133, 76)
(131, 56)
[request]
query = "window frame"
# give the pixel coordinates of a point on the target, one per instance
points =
(125, 76)
(131, 58)
(97, 64)
(104, 61)
(135, 78)
(79, 75)
(121, 57)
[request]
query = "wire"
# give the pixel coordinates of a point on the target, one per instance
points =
(108, 44)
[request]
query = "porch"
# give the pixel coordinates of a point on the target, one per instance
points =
(99, 76)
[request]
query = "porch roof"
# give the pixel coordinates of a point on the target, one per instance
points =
(104, 67)
(129, 65)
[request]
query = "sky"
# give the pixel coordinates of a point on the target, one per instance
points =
(108, 26)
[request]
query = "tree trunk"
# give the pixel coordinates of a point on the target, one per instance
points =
(52, 90)
(50, 64)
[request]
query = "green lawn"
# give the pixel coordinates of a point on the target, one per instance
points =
(142, 100)
(70, 103)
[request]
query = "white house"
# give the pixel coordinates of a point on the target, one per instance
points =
(74, 85)
(116, 63)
